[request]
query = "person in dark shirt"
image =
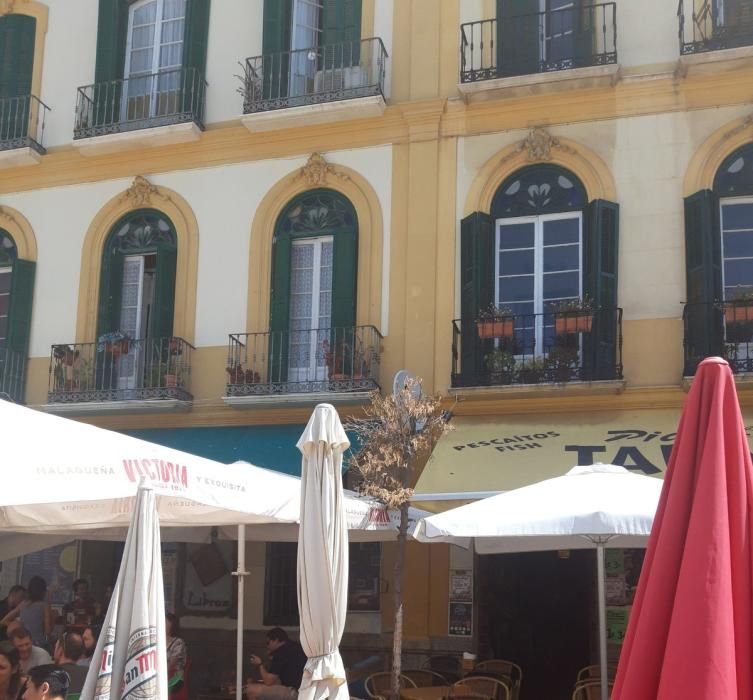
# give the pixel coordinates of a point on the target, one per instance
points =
(15, 595)
(283, 677)
(68, 650)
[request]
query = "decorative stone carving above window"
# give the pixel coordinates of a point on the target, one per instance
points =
(317, 170)
(143, 232)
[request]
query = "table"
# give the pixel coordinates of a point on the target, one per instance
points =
(438, 692)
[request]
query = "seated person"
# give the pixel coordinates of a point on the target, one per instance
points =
(29, 655)
(47, 682)
(82, 606)
(68, 650)
(89, 637)
(283, 677)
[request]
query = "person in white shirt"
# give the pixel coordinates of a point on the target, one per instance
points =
(28, 654)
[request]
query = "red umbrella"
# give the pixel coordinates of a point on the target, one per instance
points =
(691, 629)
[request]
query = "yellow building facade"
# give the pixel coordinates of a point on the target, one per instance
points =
(213, 216)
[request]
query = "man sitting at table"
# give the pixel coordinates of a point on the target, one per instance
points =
(68, 650)
(283, 678)
(28, 654)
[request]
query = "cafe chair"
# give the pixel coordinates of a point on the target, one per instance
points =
(424, 678)
(594, 671)
(446, 665)
(589, 690)
(484, 686)
(507, 671)
(377, 685)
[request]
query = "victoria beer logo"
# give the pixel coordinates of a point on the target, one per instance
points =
(140, 672)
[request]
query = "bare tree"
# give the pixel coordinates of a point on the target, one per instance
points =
(396, 433)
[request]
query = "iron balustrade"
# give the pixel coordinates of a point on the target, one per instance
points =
(12, 375)
(140, 102)
(151, 368)
(22, 121)
(553, 347)
(719, 329)
(315, 75)
(554, 40)
(305, 361)
(709, 25)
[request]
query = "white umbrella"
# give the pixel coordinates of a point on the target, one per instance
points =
(130, 657)
(323, 556)
(588, 507)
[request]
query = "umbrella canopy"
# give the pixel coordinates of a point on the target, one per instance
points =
(130, 657)
(690, 633)
(588, 507)
(323, 555)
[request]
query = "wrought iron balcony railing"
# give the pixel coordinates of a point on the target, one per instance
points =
(333, 360)
(546, 348)
(140, 102)
(313, 76)
(120, 371)
(12, 375)
(22, 123)
(722, 329)
(712, 25)
(578, 36)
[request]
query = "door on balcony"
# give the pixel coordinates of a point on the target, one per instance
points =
(538, 265)
(310, 308)
(154, 56)
(306, 38)
(17, 33)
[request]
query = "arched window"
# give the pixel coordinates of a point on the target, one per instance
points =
(7, 258)
(313, 301)
(137, 286)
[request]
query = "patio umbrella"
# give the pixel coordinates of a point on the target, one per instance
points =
(589, 507)
(130, 660)
(690, 633)
(323, 555)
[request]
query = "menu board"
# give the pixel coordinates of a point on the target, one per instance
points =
(207, 585)
(57, 566)
(460, 614)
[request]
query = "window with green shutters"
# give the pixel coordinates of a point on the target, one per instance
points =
(313, 296)
(17, 34)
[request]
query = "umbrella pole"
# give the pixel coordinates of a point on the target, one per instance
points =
(602, 620)
(241, 573)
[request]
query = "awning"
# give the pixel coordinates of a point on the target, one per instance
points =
(485, 454)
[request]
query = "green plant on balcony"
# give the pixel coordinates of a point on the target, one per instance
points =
(573, 315)
(562, 363)
(738, 308)
(115, 343)
(237, 375)
(531, 370)
(500, 364)
(346, 360)
(495, 321)
(164, 374)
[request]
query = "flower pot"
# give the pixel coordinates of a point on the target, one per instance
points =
(573, 323)
(495, 328)
(171, 380)
(175, 346)
(117, 348)
(737, 313)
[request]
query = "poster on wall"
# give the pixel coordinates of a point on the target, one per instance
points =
(57, 566)
(364, 577)
(460, 619)
(461, 585)
(208, 587)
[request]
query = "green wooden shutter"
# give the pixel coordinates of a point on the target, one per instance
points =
(195, 55)
(112, 30)
(587, 16)
(343, 337)
(341, 35)
(600, 265)
(279, 317)
(163, 309)
(278, 18)
(110, 291)
(518, 37)
(704, 322)
(17, 33)
(19, 323)
(476, 290)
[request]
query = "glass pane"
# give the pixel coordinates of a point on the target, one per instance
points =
(738, 244)
(3, 327)
(5, 276)
(560, 231)
(173, 9)
(141, 61)
(515, 289)
(145, 14)
(566, 257)
(4, 303)
(142, 37)
(736, 216)
(516, 262)
(738, 272)
(516, 235)
(560, 285)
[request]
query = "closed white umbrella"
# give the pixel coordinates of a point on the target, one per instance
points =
(129, 661)
(323, 555)
(589, 507)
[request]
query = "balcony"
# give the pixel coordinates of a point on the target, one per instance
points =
(12, 375)
(539, 48)
(141, 111)
(710, 25)
(315, 85)
(303, 367)
(723, 329)
(552, 348)
(121, 376)
(22, 122)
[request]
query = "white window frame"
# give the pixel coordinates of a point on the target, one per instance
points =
(722, 202)
(130, 365)
(545, 36)
(6, 270)
(538, 263)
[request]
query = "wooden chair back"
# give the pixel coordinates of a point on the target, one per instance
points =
(483, 685)
(424, 678)
(377, 685)
(589, 690)
(446, 665)
(503, 667)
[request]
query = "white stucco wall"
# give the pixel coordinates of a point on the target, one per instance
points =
(224, 200)
(648, 157)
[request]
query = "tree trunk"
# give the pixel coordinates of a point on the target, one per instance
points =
(397, 589)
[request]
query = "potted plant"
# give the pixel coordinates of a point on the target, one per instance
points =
(495, 322)
(114, 342)
(531, 370)
(176, 346)
(500, 363)
(562, 363)
(335, 355)
(739, 308)
(573, 316)
(236, 375)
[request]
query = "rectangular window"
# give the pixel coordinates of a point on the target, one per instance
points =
(538, 263)
(5, 277)
(737, 246)
(557, 30)
(365, 576)
(280, 585)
